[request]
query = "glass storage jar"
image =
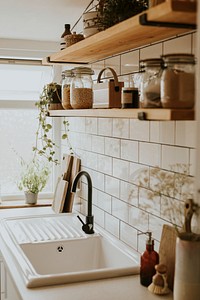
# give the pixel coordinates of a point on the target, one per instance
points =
(66, 81)
(81, 92)
(150, 82)
(178, 81)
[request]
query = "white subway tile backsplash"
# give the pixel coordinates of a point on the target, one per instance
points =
(98, 144)
(112, 147)
(97, 180)
(105, 126)
(104, 164)
(192, 162)
(136, 175)
(112, 186)
(129, 150)
(172, 155)
(182, 44)
(156, 226)
(128, 235)
(152, 51)
(121, 128)
(138, 218)
(121, 169)
(120, 209)
(112, 224)
(113, 62)
(130, 62)
(162, 132)
(186, 133)
(150, 154)
(139, 130)
(129, 193)
(149, 201)
(104, 201)
(98, 216)
(90, 125)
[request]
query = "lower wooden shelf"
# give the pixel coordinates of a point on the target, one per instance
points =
(158, 114)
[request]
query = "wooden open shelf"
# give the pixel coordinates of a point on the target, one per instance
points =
(130, 34)
(131, 113)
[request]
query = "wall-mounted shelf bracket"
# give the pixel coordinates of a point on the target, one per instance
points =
(49, 61)
(143, 20)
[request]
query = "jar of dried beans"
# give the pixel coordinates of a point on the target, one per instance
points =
(178, 81)
(150, 82)
(81, 92)
(66, 81)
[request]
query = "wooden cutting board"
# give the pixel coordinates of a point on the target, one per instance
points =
(60, 195)
(70, 196)
(167, 252)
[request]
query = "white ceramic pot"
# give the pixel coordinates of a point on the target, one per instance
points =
(90, 23)
(31, 198)
(187, 270)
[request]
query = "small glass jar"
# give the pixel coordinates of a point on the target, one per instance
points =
(178, 81)
(81, 92)
(66, 81)
(150, 82)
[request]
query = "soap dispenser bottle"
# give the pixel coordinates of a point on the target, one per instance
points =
(149, 259)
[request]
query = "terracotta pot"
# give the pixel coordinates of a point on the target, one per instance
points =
(187, 270)
(31, 198)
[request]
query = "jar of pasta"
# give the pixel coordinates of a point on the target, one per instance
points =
(150, 82)
(66, 81)
(178, 81)
(81, 92)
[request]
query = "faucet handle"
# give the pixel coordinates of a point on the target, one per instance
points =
(88, 226)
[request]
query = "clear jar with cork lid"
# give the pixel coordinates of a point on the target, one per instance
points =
(150, 82)
(178, 81)
(81, 91)
(66, 81)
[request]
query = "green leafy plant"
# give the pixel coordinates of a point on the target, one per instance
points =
(112, 12)
(44, 144)
(34, 176)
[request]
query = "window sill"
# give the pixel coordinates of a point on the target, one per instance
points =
(21, 204)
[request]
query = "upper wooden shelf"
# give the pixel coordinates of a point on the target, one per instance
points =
(131, 113)
(166, 18)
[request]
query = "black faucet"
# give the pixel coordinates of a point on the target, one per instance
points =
(88, 225)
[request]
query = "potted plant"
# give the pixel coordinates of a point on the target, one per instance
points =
(46, 147)
(112, 12)
(33, 179)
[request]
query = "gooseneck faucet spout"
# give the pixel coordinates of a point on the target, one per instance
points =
(88, 226)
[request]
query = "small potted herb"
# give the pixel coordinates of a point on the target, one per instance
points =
(33, 179)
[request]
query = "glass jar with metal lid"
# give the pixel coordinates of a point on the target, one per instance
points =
(178, 81)
(81, 92)
(66, 81)
(150, 82)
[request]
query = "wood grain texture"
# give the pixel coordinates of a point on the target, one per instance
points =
(167, 252)
(131, 113)
(130, 34)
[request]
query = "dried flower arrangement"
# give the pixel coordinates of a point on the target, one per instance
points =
(176, 189)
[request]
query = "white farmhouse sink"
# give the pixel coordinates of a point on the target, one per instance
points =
(54, 250)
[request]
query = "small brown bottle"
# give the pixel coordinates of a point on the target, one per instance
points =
(149, 259)
(62, 39)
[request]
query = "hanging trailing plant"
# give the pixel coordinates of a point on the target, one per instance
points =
(112, 12)
(44, 144)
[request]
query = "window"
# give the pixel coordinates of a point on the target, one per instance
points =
(20, 87)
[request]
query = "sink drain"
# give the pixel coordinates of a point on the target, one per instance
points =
(60, 249)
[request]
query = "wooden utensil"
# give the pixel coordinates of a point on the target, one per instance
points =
(167, 252)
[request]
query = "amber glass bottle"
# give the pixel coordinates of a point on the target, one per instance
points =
(62, 39)
(149, 259)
